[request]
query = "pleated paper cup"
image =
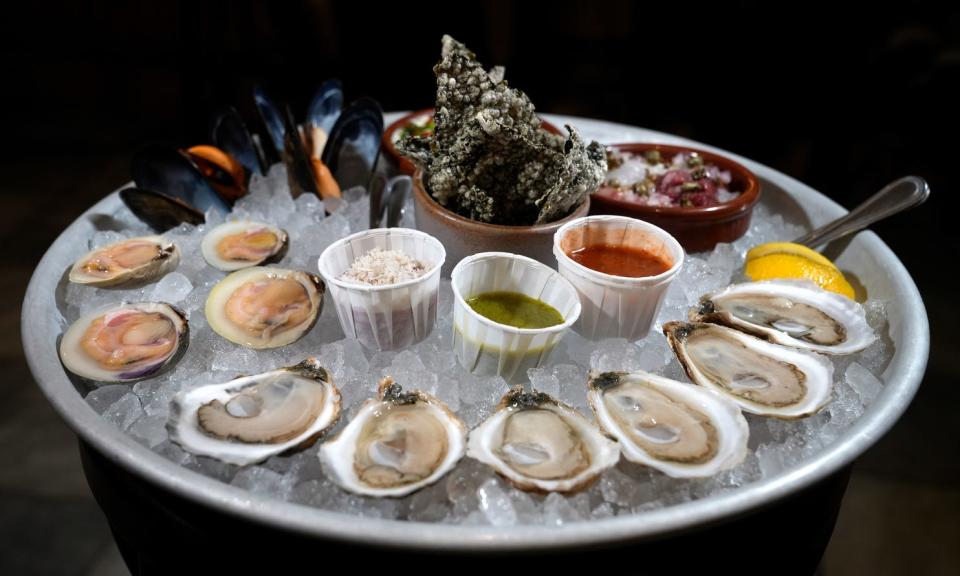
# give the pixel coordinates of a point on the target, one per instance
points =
(392, 316)
(616, 306)
(486, 347)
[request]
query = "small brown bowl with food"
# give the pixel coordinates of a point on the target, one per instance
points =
(462, 237)
(699, 197)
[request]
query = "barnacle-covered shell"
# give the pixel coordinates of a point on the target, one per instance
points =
(489, 158)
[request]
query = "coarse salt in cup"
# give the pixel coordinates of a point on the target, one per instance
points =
(490, 348)
(390, 316)
(616, 306)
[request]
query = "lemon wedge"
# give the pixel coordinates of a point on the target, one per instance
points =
(788, 260)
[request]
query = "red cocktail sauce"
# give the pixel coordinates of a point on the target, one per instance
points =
(620, 260)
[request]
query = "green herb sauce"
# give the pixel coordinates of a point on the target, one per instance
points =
(515, 309)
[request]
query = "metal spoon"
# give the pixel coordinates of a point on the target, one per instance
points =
(378, 185)
(400, 188)
(897, 196)
(387, 200)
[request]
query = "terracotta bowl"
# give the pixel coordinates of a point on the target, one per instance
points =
(462, 237)
(388, 142)
(696, 229)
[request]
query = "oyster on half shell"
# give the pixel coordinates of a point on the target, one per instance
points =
(683, 430)
(541, 445)
(264, 307)
(235, 245)
(398, 443)
(125, 342)
(254, 417)
(130, 262)
(794, 313)
(762, 378)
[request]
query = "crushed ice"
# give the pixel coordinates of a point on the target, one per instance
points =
(471, 493)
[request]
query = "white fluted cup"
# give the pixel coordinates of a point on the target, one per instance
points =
(392, 316)
(616, 306)
(486, 347)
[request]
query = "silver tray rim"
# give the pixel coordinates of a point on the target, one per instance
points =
(40, 326)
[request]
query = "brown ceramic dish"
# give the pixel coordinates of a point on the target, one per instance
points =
(695, 228)
(388, 142)
(462, 237)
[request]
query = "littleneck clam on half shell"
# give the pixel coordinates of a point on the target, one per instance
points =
(251, 418)
(235, 245)
(130, 262)
(683, 430)
(398, 443)
(264, 307)
(541, 445)
(762, 378)
(794, 313)
(124, 342)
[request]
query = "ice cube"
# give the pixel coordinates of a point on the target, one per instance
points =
(260, 480)
(124, 411)
(615, 355)
(172, 288)
(866, 385)
(103, 238)
(558, 511)
(495, 504)
(151, 430)
(543, 380)
(105, 396)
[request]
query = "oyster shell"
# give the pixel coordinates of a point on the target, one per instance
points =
(683, 430)
(235, 245)
(799, 314)
(124, 342)
(398, 443)
(264, 307)
(762, 378)
(129, 262)
(251, 418)
(541, 445)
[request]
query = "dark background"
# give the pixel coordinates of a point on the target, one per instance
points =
(842, 101)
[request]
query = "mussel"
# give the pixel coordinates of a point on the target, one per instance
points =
(334, 149)
(170, 189)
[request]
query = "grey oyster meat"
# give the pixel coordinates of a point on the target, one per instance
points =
(489, 158)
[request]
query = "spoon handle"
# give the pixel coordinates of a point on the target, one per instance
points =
(895, 197)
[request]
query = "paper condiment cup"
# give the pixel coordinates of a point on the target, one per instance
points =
(486, 347)
(392, 316)
(616, 306)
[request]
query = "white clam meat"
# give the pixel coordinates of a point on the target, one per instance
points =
(683, 430)
(794, 313)
(762, 378)
(249, 419)
(124, 342)
(264, 307)
(130, 262)
(242, 244)
(397, 443)
(541, 445)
